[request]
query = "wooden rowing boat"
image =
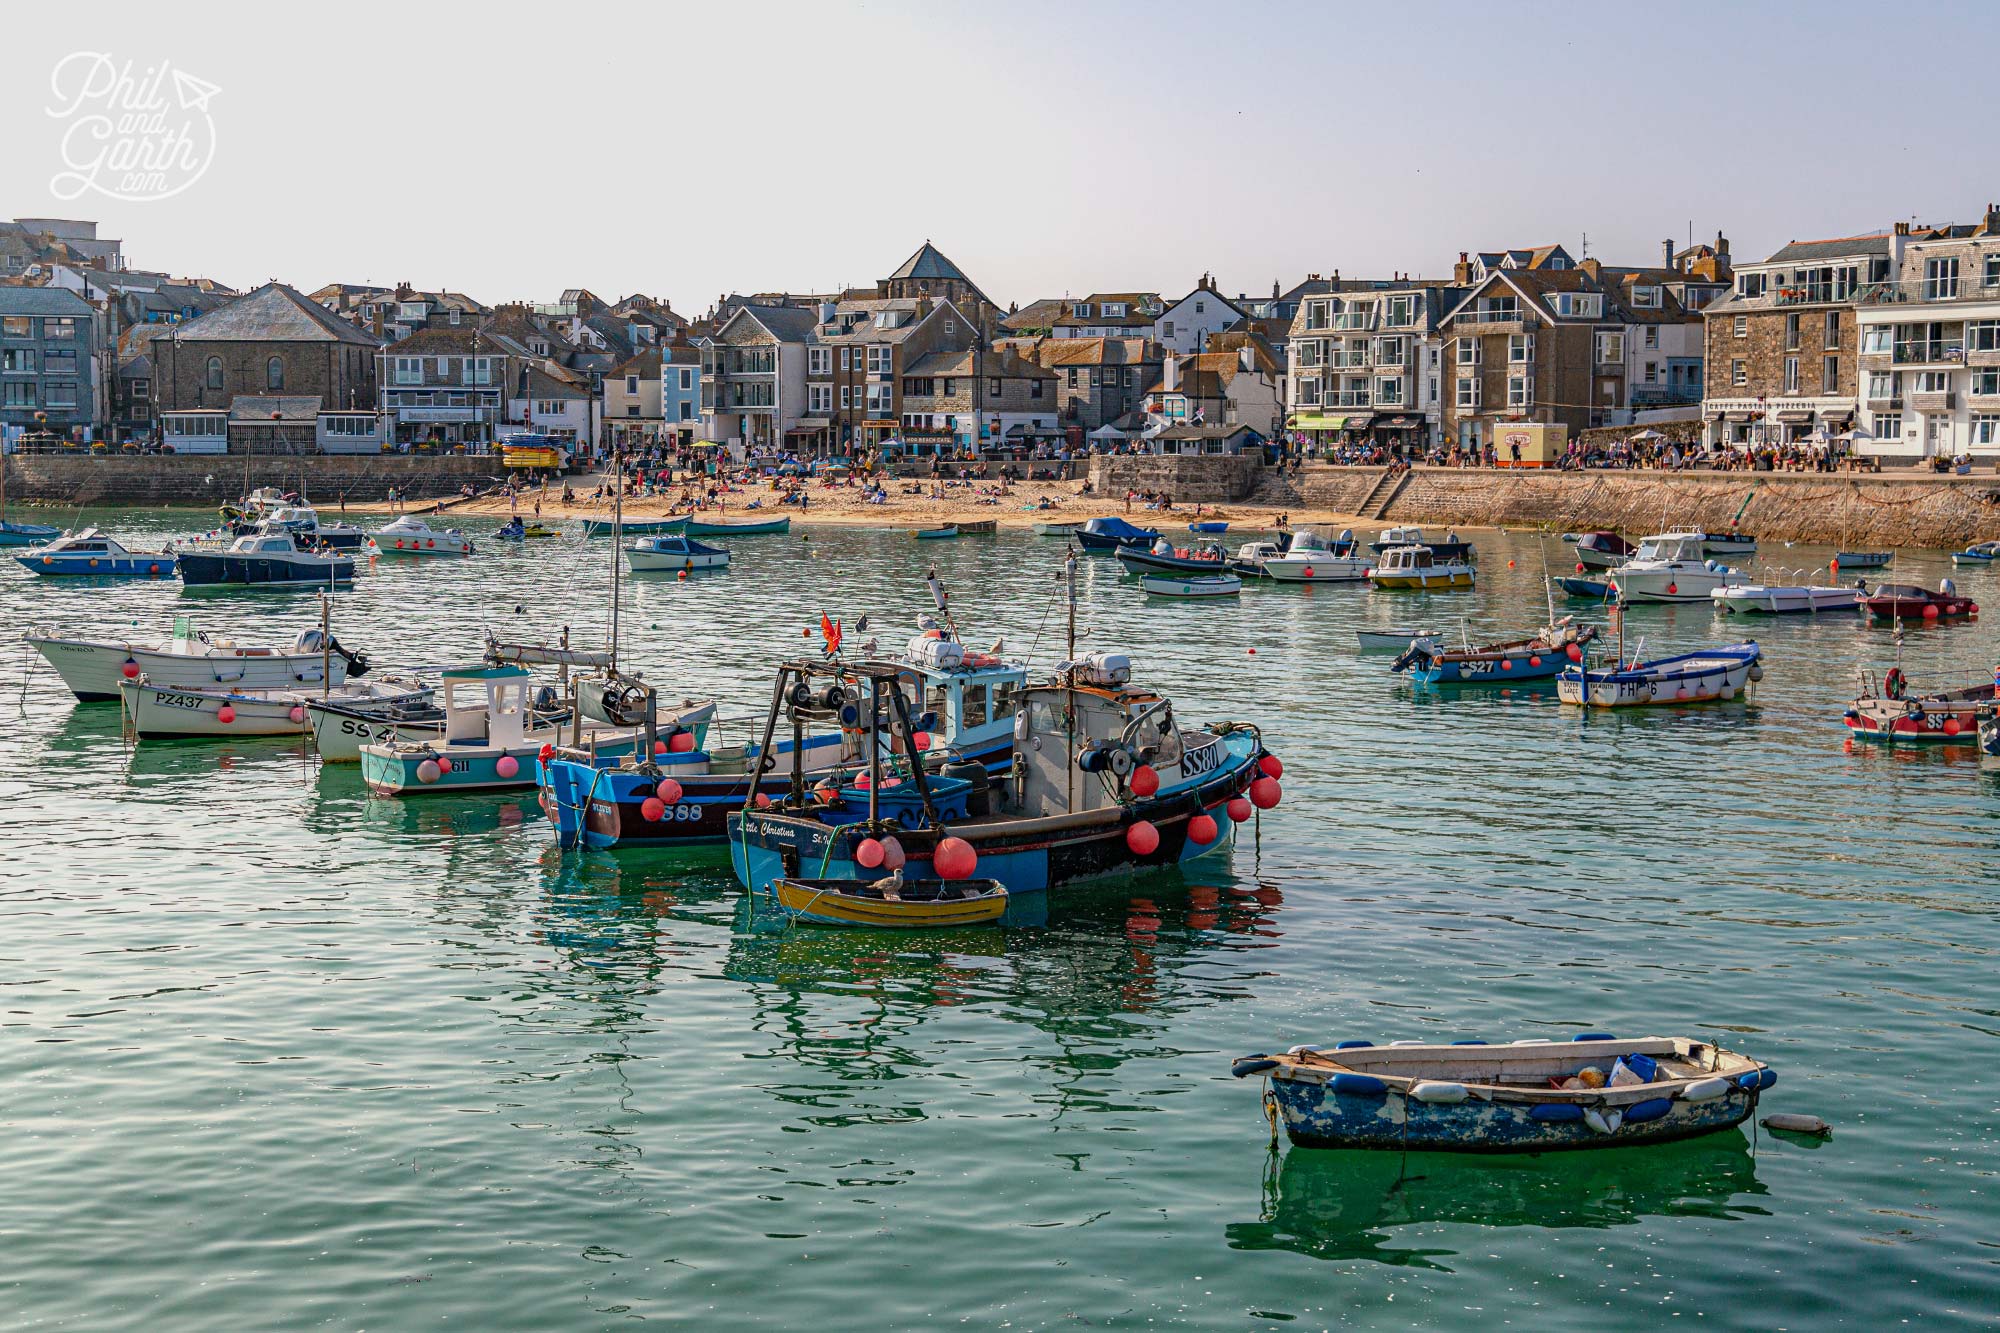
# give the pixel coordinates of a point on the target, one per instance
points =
(891, 902)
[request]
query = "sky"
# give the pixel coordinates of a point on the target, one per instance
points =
(510, 151)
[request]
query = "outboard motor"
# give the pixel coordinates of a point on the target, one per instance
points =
(546, 698)
(357, 663)
(1948, 588)
(309, 641)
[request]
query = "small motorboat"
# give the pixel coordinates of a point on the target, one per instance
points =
(943, 534)
(1309, 559)
(1208, 528)
(1892, 713)
(1164, 556)
(411, 535)
(1979, 553)
(513, 530)
(1602, 550)
(1778, 599)
(1421, 568)
(1731, 542)
(1450, 549)
(1539, 657)
(1907, 601)
(756, 527)
(171, 712)
(891, 902)
(1392, 640)
(1596, 590)
(985, 527)
(265, 560)
(27, 534)
(1191, 585)
(1862, 559)
(536, 530)
(683, 554)
(1713, 673)
(90, 552)
(1671, 567)
(1528, 1096)
(635, 527)
(1055, 529)
(1108, 534)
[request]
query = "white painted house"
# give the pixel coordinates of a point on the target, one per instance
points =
(1186, 325)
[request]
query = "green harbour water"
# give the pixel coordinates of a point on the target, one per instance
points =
(275, 1054)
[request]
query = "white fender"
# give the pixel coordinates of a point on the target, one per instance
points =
(1604, 1122)
(1705, 1091)
(1410, 1041)
(1439, 1094)
(1798, 1124)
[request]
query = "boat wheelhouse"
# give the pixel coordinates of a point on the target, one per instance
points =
(265, 560)
(91, 552)
(1418, 567)
(1671, 567)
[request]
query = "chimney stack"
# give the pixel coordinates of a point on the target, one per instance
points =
(1170, 374)
(1902, 229)
(1667, 250)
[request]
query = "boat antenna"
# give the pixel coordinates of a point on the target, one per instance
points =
(1069, 593)
(617, 528)
(942, 600)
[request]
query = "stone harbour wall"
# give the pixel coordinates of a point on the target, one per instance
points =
(213, 479)
(1190, 479)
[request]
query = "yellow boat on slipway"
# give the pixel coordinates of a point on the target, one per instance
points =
(891, 902)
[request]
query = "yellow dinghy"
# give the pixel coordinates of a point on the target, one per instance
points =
(891, 902)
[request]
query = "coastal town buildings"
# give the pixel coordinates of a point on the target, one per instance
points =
(753, 381)
(973, 398)
(1184, 326)
(1099, 380)
(1364, 363)
(862, 351)
(445, 387)
(1109, 315)
(49, 366)
(1238, 386)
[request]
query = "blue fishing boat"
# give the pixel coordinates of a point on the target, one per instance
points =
(1979, 553)
(748, 528)
(1108, 534)
(265, 560)
(90, 552)
(964, 706)
(1531, 1096)
(946, 533)
(634, 527)
(1596, 590)
(1203, 558)
(1539, 657)
(27, 534)
(1208, 529)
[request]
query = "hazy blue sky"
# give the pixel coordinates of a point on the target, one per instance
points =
(684, 150)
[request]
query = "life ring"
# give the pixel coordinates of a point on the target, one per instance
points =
(1894, 683)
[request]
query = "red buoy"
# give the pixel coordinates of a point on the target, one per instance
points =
(130, 669)
(868, 854)
(1952, 726)
(954, 859)
(225, 714)
(1265, 792)
(1535, 661)
(1270, 766)
(297, 714)
(1142, 838)
(893, 856)
(668, 791)
(506, 766)
(652, 808)
(1506, 664)
(1930, 612)
(1145, 780)
(920, 739)
(1203, 830)
(444, 765)
(680, 742)
(763, 801)
(1575, 653)
(546, 753)
(1238, 809)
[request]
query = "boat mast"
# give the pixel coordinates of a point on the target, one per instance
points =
(1069, 680)
(943, 600)
(617, 527)
(325, 647)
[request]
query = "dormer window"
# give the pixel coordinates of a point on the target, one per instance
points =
(1646, 298)
(1114, 310)
(1081, 310)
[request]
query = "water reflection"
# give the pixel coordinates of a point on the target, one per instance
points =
(1352, 1205)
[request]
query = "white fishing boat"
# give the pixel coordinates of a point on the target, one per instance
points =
(1191, 585)
(93, 669)
(651, 554)
(1784, 599)
(1670, 567)
(411, 535)
(1417, 567)
(1713, 673)
(1309, 559)
(162, 712)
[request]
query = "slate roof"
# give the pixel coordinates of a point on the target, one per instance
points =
(259, 407)
(274, 313)
(1842, 247)
(57, 301)
(1040, 314)
(1054, 352)
(787, 323)
(929, 262)
(646, 365)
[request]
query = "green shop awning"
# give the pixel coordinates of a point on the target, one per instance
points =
(1306, 422)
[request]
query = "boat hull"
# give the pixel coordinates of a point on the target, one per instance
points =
(651, 562)
(1863, 559)
(394, 771)
(1099, 541)
(804, 903)
(1691, 678)
(1667, 585)
(208, 570)
(1786, 601)
(1948, 720)
(1420, 580)
(1138, 560)
(100, 566)
(1326, 569)
(27, 534)
(1543, 664)
(696, 528)
(640, 527)
(94, 671)
(160, 713)
(1194, 586)
(429, 546)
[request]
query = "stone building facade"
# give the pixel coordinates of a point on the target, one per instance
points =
(270, 341)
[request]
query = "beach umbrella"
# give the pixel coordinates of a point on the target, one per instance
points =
(1650, 434)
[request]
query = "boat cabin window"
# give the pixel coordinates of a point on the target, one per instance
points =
(1045, 717)
(973, 711)
(1006, 699)
(85, 546)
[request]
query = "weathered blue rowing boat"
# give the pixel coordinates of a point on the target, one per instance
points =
(1108, 534)
(633, 527)
(1531, 1096)
(1597, 590)
(749, 528)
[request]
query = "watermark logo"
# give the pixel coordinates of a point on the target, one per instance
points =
(131, 135)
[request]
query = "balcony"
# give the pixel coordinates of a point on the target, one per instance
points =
(1350, 398)
(1498, 319)
(1924, 291)
(1934, 402)
(1888, 402)
(1948, 352)
(1349, 360)
(1814, 293)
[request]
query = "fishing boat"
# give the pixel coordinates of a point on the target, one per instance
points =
(1451, 549)
(92, 553)
(1309, 559)
(674, 553)
(1538, 657)
(411, 535)
(1671, 567)
(1713, 673)
(1731, 542)
(168, 712)
(1104, 783)
(1530, 1096)
(1777, 599)
(748, 528)
(27, 534)
(1164, 556)
(1892, 712)
(1191, 585)
(1907, 601)
(94, 668)
(1208, 528)
(1979, 553)
(340, 728)
(488, 742)
(1392, 640)
(964, 706)
(1109, 533)
(945, 533)
(1420, 568)
(1602, 550)
(636, 527)
(984, 527)
(1055, 529)
(1862, 559)
(890, 902)
(264, 560)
